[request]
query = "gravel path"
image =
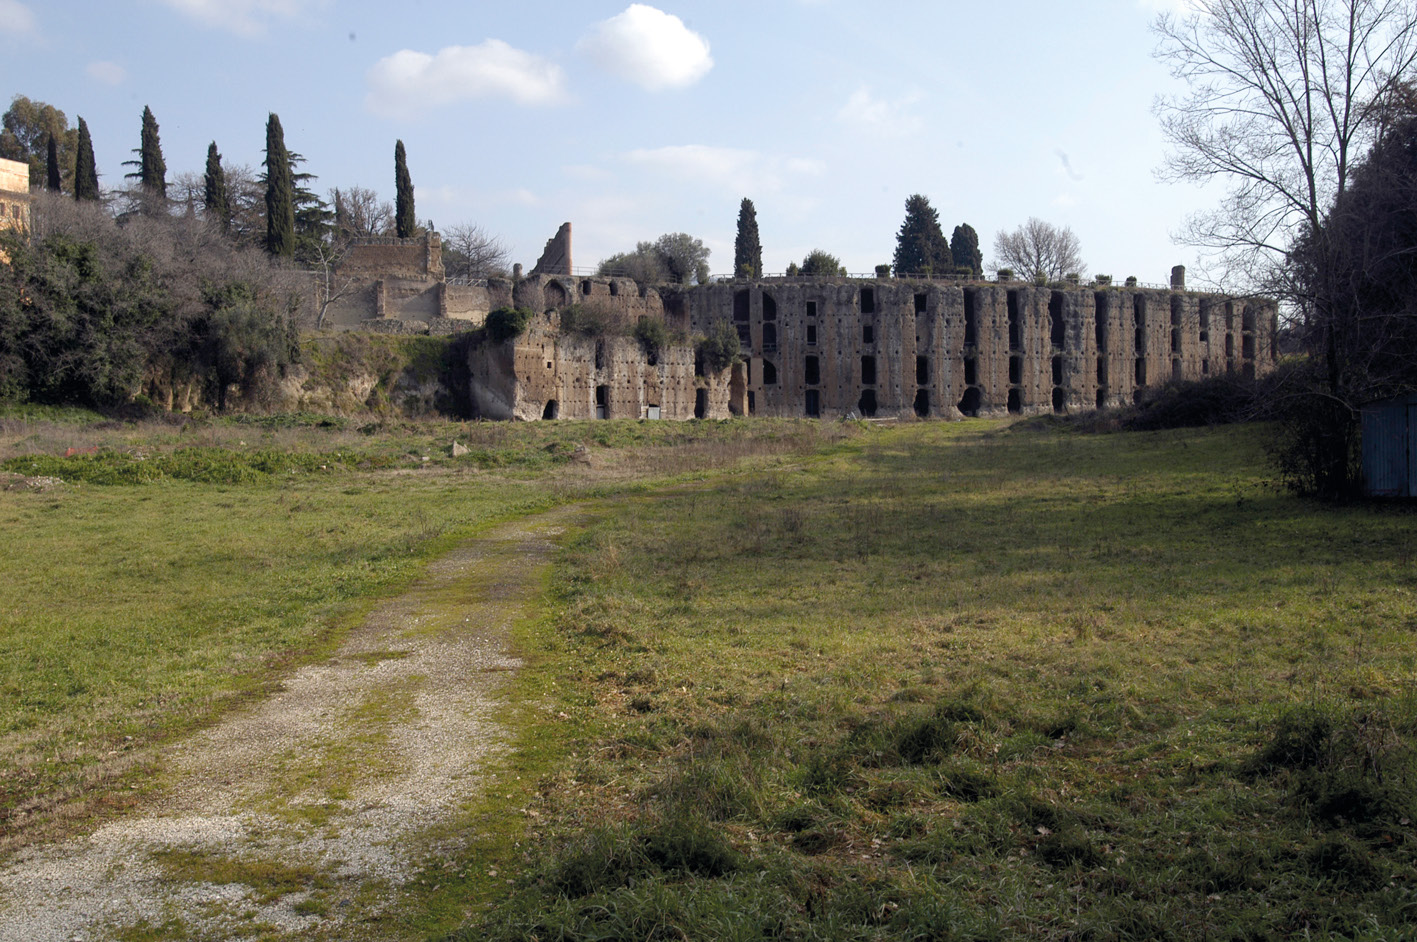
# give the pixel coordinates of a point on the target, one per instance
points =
(300, 816)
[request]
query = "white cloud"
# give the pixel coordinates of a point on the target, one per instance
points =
(15, 17)
(888, 117)
(409, 81)
(649, 47)
(737, 171)
(110, 73)
(243, 17)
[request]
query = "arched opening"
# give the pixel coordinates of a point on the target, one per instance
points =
(552, 410)
(769, 373)
(969, 405)
(922, 402)
(866, 405)
(554, 294)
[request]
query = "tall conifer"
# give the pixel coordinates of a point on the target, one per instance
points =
(747, 248)
(214, 198)
(920, 247)
(85, 169)
(404, 220)
(280, 206)
(964, 249)
(51, 165)
(152, 170)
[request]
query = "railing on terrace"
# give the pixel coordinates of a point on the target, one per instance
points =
(579, 272)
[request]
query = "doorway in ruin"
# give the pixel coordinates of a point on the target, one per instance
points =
(1060, 400)
(1015, 405)
(602, 402)
(866, 405)
(922, 402)
(814, 403)
(812, 369)
(868, 371)
(701, 403)
(552, 410)
(1101, 397)
(969, 405)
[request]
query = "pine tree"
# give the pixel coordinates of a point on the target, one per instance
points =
(215, 200)
(964, 249)
(280, 207)
(747, 249)
(51, 165)
(404, 221)
(85, 169)
(920, 247)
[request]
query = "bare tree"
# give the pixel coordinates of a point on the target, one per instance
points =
(359, 212)
(1039, 249)
(470, 252)
(1283, 96)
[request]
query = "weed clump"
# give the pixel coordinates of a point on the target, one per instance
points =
(618, 857)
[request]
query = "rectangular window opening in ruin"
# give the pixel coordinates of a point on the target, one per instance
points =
(922, 402)
(1177, 305)
(1101, 397)
(1015, 370)
(1140, 341)
(1247, 318)
(812, 371)
(1015, 335)
(971, 371)
(1139, 311)
(769, 338)
(1205, 318)
(868, 371)
(1057, 334)
(740, 305)
(868, 301)
(769, 373)
(813, 402)
(811, 308)
(769, 307)
(701, 403)
(971, 316)
(1101, 370)
(868, 333)
(1175, 340)
(1229, 346)
(1141, 373)
(1247, 347)
(745, 335)
(866, 405)
(752, 403)
(811, 335)
(1060, 400)
(922, 371)
(1205, 367)
(1176, 369)
(600, 354)
(920, 302)
(1205, 337)
(1057, 371)
(1015, 404)
(585, 286)
(614, 289)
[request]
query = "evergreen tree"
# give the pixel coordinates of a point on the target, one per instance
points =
(280, 206)
(152, 170)
(404, 222)
(747, 249)
(215, 200)
(920, 247)
(51, 165)
(85, 168)
(964, 249)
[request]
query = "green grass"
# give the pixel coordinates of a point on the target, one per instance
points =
(965, 681)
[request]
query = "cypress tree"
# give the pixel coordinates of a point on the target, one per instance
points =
(152, 170)
(214, 198)
(85, 169)
(280, 205)
(964, 249)
(920, 247)
(51, 165)
(747, 248)
(404, 221)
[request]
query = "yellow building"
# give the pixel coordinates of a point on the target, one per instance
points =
(14, 194)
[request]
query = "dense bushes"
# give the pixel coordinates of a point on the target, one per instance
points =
(91, 310)
(506, 323)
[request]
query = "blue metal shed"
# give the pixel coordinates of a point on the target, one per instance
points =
(1390, 447)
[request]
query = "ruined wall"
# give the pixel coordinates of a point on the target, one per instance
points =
(14, 194)
(556, 257)
(888, 348)
(548, 374)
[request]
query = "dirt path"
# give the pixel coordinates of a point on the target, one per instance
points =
(300, 817)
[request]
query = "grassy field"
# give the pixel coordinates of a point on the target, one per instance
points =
(794, 680)
(185, 565)
(972, 681)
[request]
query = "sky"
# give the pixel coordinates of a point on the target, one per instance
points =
(633, 120)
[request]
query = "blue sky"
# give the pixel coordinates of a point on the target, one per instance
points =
(631, 120)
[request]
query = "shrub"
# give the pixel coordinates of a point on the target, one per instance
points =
(653, 336)
(1006, 274)
(883, 271)
(506, 323)
(588, 320)
(719, 349)
(1131, 281)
